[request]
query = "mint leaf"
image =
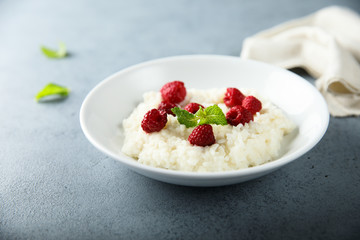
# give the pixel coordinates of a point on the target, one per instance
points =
(214, 115)
(184, 117)
(209, 115)
(52, 89)
(201, 116)
(60, 53)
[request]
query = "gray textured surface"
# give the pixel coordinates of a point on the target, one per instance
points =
(55, 185)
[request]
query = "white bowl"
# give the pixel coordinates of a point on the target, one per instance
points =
(113, 99)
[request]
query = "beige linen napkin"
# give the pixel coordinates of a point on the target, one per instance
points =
(326, 44)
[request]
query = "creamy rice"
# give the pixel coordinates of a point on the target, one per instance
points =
(237, 147)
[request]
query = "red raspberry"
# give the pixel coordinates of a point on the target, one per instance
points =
(238, 114)
(193, 107)
(202, 135)
(173, 92)
(166, 107)
(154, 121)
(233, 97)
(252, 104)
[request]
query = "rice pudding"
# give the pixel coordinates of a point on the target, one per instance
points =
(236, 147)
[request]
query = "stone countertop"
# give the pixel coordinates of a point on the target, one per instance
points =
(55, 185)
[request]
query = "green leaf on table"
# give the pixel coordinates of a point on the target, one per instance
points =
(60, 53)
(52, 90)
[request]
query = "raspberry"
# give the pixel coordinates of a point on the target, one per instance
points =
(233, 97)
(166, 107)
(154, 121)
(237, 115)
(193, 107)
(173, 92)
(202, 135)
(252, 104)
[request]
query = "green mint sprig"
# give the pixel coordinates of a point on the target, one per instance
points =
(210, 115)
(60, 53)
(53, 90)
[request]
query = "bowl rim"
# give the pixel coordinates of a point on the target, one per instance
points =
(274, 164)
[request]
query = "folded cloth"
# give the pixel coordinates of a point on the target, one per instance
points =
(326, 44)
